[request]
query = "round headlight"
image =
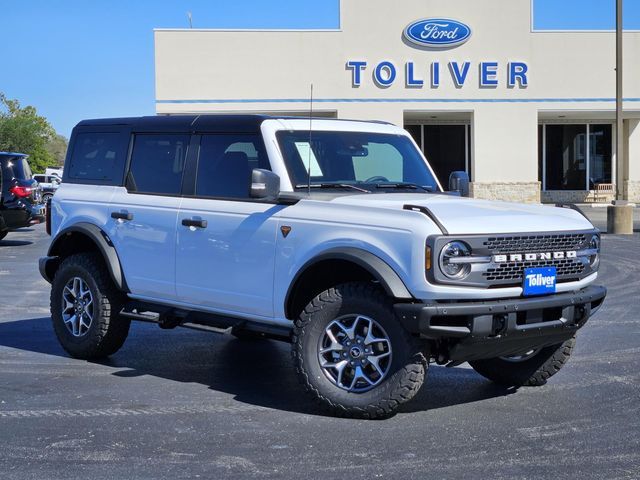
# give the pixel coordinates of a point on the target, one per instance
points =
(594, 244)
(450, 252)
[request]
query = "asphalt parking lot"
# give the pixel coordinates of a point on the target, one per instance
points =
(184, 404)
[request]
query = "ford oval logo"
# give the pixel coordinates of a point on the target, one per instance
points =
(437, 33)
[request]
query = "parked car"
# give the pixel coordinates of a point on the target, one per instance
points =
(56, 171)
(49, 185)
(333, 235)
(20, 195)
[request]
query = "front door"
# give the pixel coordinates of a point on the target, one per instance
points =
(226, 242)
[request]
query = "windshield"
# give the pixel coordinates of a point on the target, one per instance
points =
(370, 160)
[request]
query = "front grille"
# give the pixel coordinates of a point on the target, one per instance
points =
(535, 243)
(512, 273)
(566, 268)
(490, 274)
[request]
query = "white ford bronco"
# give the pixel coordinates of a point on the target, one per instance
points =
(333, 235)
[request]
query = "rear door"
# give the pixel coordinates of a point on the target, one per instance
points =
(226, 241)
(144, 213)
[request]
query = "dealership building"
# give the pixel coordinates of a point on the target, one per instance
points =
(530, 115)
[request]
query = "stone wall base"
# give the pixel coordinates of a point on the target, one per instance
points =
(523, 192)
(575, 196)
(631, 190)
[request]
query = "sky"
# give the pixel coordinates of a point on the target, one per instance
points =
(77, 59)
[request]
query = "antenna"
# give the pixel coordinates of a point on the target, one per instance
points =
(190, 19)
(310, 127)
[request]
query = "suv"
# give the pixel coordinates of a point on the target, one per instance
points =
(333, 235)
(49, 185)
(20, 195)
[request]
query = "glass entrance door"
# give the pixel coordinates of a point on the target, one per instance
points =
(446, 146)
(575, 156)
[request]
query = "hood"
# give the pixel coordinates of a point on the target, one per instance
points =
(461, 215)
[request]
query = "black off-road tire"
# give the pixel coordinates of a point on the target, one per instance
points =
(532, 372)
(407, 369)
(3, 234)
(108, 330)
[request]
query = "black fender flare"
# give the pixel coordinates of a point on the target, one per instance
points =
(377, 267)
(102, 242)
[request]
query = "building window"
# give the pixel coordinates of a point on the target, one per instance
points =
(447, 147)
(600, 166)
(574, 156)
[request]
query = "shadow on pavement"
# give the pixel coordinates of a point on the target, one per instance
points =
(14, 243)
(256, 372)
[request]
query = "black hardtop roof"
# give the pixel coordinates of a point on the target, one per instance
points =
(217, 122)
(222, 122)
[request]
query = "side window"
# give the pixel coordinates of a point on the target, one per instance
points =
(225, 164)
(157, 163)
(98, 157)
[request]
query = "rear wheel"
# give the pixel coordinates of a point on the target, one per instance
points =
(353, 356)
(85, 308)
(532, 368)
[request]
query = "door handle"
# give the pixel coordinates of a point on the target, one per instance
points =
(122, 216)
(192, 222)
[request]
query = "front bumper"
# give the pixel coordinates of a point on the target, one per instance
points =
(486, 329)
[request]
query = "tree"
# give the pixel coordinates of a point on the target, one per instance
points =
(23, 130)
(57, 146)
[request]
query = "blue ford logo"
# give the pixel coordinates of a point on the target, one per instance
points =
(437, 33)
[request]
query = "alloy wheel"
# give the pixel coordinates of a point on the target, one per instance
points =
(77, 307)
(355, 353)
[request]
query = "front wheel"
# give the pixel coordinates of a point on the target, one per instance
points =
(85, 307)
(532, 368)
(353, 356)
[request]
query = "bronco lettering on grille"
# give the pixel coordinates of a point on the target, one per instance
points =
(519, 257)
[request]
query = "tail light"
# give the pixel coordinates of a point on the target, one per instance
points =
(21, 192)
(47, 216)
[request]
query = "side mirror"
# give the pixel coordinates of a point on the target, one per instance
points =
(265, 184)
(459, 182)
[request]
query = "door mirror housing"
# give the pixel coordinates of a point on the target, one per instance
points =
(459, 183)
(265, 185)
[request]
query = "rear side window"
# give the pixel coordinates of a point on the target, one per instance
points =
(15, 168)
(157, 163)
(21, 169)
(225, 164)
(98, 157)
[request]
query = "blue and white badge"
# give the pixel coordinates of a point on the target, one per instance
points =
(539, 281)
(437, 33)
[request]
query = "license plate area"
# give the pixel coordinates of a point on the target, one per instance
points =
(539, 281)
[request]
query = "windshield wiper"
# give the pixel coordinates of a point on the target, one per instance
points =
(407, 185)
(333, 185)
